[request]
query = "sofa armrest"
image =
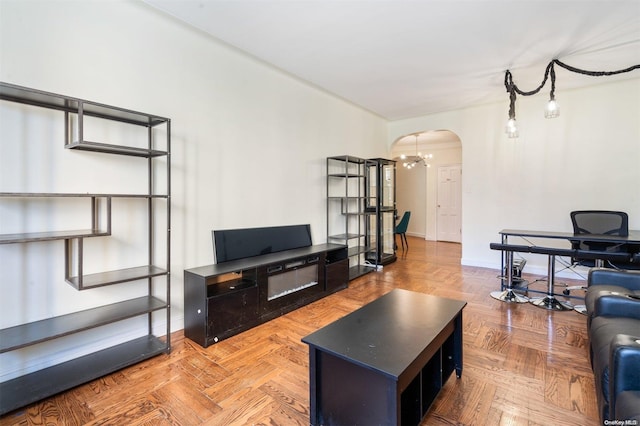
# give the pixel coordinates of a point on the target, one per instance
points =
(618, 305)
(628, 279)
(624, 367)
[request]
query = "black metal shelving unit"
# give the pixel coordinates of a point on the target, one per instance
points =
(346, 210)
(29, 388)
(381, 209)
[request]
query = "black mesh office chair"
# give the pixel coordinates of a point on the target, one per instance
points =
(598, 222)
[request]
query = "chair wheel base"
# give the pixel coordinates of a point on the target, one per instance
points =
(551, 303)
(509, 296)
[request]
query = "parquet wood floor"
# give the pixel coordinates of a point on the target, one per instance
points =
(522, 365)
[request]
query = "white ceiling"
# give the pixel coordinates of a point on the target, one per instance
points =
(401, 58)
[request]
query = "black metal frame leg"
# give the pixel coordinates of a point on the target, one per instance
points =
(508, 295)
(549, 301)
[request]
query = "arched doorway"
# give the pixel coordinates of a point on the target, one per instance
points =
(423, 190)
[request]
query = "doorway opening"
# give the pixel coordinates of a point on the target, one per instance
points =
(432, 189)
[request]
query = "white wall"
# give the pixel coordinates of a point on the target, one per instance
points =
(248, 142)
(588, 158)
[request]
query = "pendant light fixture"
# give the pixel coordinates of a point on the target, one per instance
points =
(552, 109)
(416, 159)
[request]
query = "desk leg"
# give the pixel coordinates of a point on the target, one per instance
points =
(457, 343)
(503, 261)
(549, 301)
(507, 294)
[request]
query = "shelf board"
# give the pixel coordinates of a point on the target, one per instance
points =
(115, 149)
(74, 195)
(346, 175)
(380, 210)
(348, 159)
(354, 251)
(232, 286)
(41, 384)
(25, 95)
(49, 236)
(359, 270)
(115, 277)
(345, 198)
(345, 236)
(40, 331)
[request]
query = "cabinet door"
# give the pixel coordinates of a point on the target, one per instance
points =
(337, 275)
(231, 311)
(387, 241)
(388, 186)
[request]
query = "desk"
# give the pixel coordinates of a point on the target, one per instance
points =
(385, 362)
(633, 237)
(631, 241)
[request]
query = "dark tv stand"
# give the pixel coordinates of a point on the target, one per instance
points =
(226, 298)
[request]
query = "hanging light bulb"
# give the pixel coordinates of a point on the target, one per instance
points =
(512, 128)
(552, 110)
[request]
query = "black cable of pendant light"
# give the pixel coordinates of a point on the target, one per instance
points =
(512, 88)
(510, 85)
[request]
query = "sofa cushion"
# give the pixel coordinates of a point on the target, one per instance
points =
(594, 293)
(606, 276)
(603, 329)
(624, 369)
(628, 406)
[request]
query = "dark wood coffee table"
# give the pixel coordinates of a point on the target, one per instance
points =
(386, 362)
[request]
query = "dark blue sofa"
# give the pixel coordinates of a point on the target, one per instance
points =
(613, 324)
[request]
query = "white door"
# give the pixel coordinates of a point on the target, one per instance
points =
(449, 219)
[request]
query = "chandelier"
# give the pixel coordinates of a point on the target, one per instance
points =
(416, 159)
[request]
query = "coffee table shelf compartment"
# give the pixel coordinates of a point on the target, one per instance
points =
(418, 397)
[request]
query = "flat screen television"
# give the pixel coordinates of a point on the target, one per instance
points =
(233, 244)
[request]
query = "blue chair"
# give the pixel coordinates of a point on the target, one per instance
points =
(401, 229)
